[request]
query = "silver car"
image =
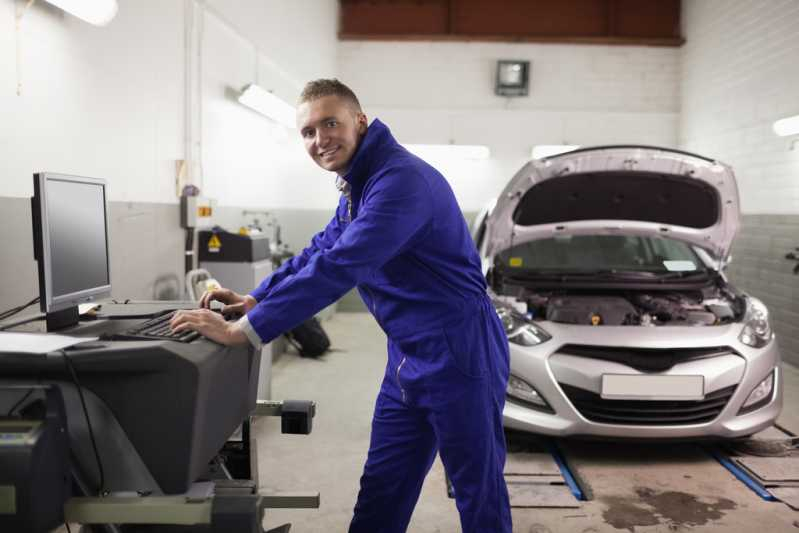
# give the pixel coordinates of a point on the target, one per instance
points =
(607, 267)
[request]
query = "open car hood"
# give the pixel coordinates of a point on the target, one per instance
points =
(619, 190)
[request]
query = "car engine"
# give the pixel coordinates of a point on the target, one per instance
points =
(689, 308)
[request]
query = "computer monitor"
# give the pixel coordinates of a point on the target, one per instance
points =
(70, 244)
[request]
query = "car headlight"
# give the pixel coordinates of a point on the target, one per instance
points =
(757, 330)
(521, 390)
(519, 330)
(760, 395)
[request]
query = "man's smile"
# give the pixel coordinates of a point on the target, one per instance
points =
(328, 154)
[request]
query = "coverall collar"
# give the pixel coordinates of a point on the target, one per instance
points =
(370, 153)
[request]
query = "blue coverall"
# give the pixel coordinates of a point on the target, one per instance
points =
(403, 241)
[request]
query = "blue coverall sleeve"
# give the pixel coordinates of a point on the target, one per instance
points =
(395, 212)
(322, 240)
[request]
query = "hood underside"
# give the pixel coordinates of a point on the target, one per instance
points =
(619, 191)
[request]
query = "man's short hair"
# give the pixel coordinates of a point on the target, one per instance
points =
(316, 89)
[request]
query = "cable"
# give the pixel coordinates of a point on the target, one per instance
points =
(20, 322)
(101, 491)
(20, 402)
(67, 524)
(14, 310)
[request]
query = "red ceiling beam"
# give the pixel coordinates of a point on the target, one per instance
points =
(648, 22)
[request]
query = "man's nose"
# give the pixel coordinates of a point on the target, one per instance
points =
(322, 139)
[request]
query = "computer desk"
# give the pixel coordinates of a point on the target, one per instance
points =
(160, 410)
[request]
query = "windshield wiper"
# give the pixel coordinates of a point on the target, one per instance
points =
(603, 274)
(634, 275)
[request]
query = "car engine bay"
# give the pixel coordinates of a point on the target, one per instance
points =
(706, 307)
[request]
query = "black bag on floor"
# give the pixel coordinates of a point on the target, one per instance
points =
(309, 338)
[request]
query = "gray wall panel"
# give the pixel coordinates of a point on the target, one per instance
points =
(17, 267)
(146, 248)
(146, 251)
(759, 267)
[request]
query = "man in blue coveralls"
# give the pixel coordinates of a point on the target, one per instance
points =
(399, 236)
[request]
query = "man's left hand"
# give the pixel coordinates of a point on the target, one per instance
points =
(210, 325)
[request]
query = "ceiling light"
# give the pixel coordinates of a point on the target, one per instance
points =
(547, 150)
(97, 12)
(269, 105)
(787, 126)
(512, 78)
(456, 151)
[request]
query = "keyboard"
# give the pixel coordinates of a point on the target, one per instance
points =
(157, 328)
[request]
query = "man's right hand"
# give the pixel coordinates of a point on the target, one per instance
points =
(235, 303)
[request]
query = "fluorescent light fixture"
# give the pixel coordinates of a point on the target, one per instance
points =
(97, 12)
(546, 150)
(269, 105)
(449, 151)
(787, 126)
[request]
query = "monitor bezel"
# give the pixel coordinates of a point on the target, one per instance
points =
(48, 301)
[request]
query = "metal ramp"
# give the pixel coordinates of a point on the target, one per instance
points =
(537, 475)
(768, 464)
(535, 480)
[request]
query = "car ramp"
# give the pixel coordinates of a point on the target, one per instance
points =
(538, 475)
(768, 464)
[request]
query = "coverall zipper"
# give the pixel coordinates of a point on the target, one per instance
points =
(399, 383)
(374, 312)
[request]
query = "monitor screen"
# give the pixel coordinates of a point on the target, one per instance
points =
(76, 216)
(72, 246)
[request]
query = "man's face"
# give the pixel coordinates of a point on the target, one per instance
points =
(331, 129)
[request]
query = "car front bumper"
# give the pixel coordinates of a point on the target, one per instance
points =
(553, 372)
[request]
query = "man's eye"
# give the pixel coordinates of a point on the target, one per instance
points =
(332, 123)
(307, 133)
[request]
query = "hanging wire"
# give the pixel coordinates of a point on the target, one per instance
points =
(20, 12)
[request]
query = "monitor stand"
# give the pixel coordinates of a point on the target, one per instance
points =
(63, 319)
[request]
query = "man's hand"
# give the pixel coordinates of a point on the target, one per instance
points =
(235, 303)
(210, 325)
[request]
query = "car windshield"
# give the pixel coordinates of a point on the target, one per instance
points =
(589, 254)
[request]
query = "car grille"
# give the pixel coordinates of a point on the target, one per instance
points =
(645, 359)
(647, 412)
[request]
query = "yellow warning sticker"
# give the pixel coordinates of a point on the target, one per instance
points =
(214, 244)
(516, 261)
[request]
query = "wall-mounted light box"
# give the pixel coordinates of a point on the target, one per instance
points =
(449, 151)
(97, 12)
(513, 78)
(787, 126)
(269, 105)
(541, 151)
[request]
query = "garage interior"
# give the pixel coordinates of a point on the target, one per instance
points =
(149, 102)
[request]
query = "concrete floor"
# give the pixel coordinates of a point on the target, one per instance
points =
(636, 488)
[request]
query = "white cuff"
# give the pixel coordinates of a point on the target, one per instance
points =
(249, 331)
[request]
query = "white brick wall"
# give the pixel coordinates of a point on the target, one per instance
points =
(431, 92)
(740, 73)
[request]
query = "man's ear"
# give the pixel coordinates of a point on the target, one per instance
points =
(363, 122)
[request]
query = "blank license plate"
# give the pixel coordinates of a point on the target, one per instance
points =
(638, 387)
